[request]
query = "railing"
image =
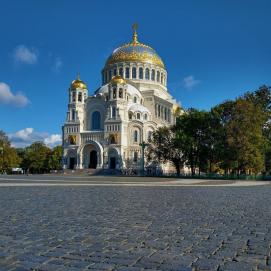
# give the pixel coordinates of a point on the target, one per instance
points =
(218, 176)
(92, 136)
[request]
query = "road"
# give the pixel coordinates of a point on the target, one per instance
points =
(113, 223)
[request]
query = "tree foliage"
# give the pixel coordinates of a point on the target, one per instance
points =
(8, 155)
(165, 147)
(55, 159)
(233, 137)
(38, 158)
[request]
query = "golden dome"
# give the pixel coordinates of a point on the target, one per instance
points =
(118, 80)
(78, 83)
(135, 52)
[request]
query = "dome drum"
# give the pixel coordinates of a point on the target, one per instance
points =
(138, 72)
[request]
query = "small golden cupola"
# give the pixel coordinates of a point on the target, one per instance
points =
(118, 80)
(78, 83)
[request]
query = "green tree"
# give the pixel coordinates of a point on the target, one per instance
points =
(262, 98)
(242, 135)
(226, 157)
(54, 161)
(195, 136)
(245, 136)
(35, 158)
(164, 147)
(8, 154)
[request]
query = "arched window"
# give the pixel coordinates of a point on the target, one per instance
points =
(145, 116)
(135, 156)
(159, 110)
(110, 75)
(140, 73)
(121, 72)
(147, 74)
(73, 114)
(134, 72)
(149, 136)
(80, 97)
(135, 136)
(130, 115)
(96, 120)
(114, 93)
(158, 76)
(120, 93)
(73, 96)
(135, 99)
(162, 78)
(114, 112)
(106, 76)
(115, 72)
(165, 113)
(112, 139)
(127, 73)
(152, 75)
(138, 116)
(72, 139)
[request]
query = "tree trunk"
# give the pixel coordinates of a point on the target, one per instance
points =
(192, 170)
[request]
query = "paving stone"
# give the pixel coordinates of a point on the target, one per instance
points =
(135, 228)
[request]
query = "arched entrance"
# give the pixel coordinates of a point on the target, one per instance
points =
(113, 159)
(72, 162)
(93, 159)
(91, 155)
(71, 159)
(112, 162)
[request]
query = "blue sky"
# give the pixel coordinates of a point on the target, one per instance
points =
(213, 50)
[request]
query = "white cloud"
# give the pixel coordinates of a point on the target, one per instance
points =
(52, 140)
(190, 82)
(27, 136)
(57, 64)
(23, 54)
(7, 97)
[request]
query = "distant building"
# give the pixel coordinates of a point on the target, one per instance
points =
(105, 130)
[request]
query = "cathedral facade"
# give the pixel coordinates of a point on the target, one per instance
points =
(106, 130)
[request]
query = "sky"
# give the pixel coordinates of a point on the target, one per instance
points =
(213, 50)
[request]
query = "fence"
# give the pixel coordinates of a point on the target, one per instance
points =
(220, 176)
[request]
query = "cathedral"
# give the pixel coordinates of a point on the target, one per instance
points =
(109, 129)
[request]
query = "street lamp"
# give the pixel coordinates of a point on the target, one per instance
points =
(143, 146)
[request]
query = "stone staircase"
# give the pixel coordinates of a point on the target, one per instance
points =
(82, 172)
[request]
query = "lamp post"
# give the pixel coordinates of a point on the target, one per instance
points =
(143, 146)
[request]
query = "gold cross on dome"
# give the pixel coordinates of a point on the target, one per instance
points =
(134, 27)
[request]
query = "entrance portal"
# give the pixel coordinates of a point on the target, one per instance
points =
(112, 162)
(93, 159)
(72, 163)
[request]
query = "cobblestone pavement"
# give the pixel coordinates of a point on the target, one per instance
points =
(135, 228)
